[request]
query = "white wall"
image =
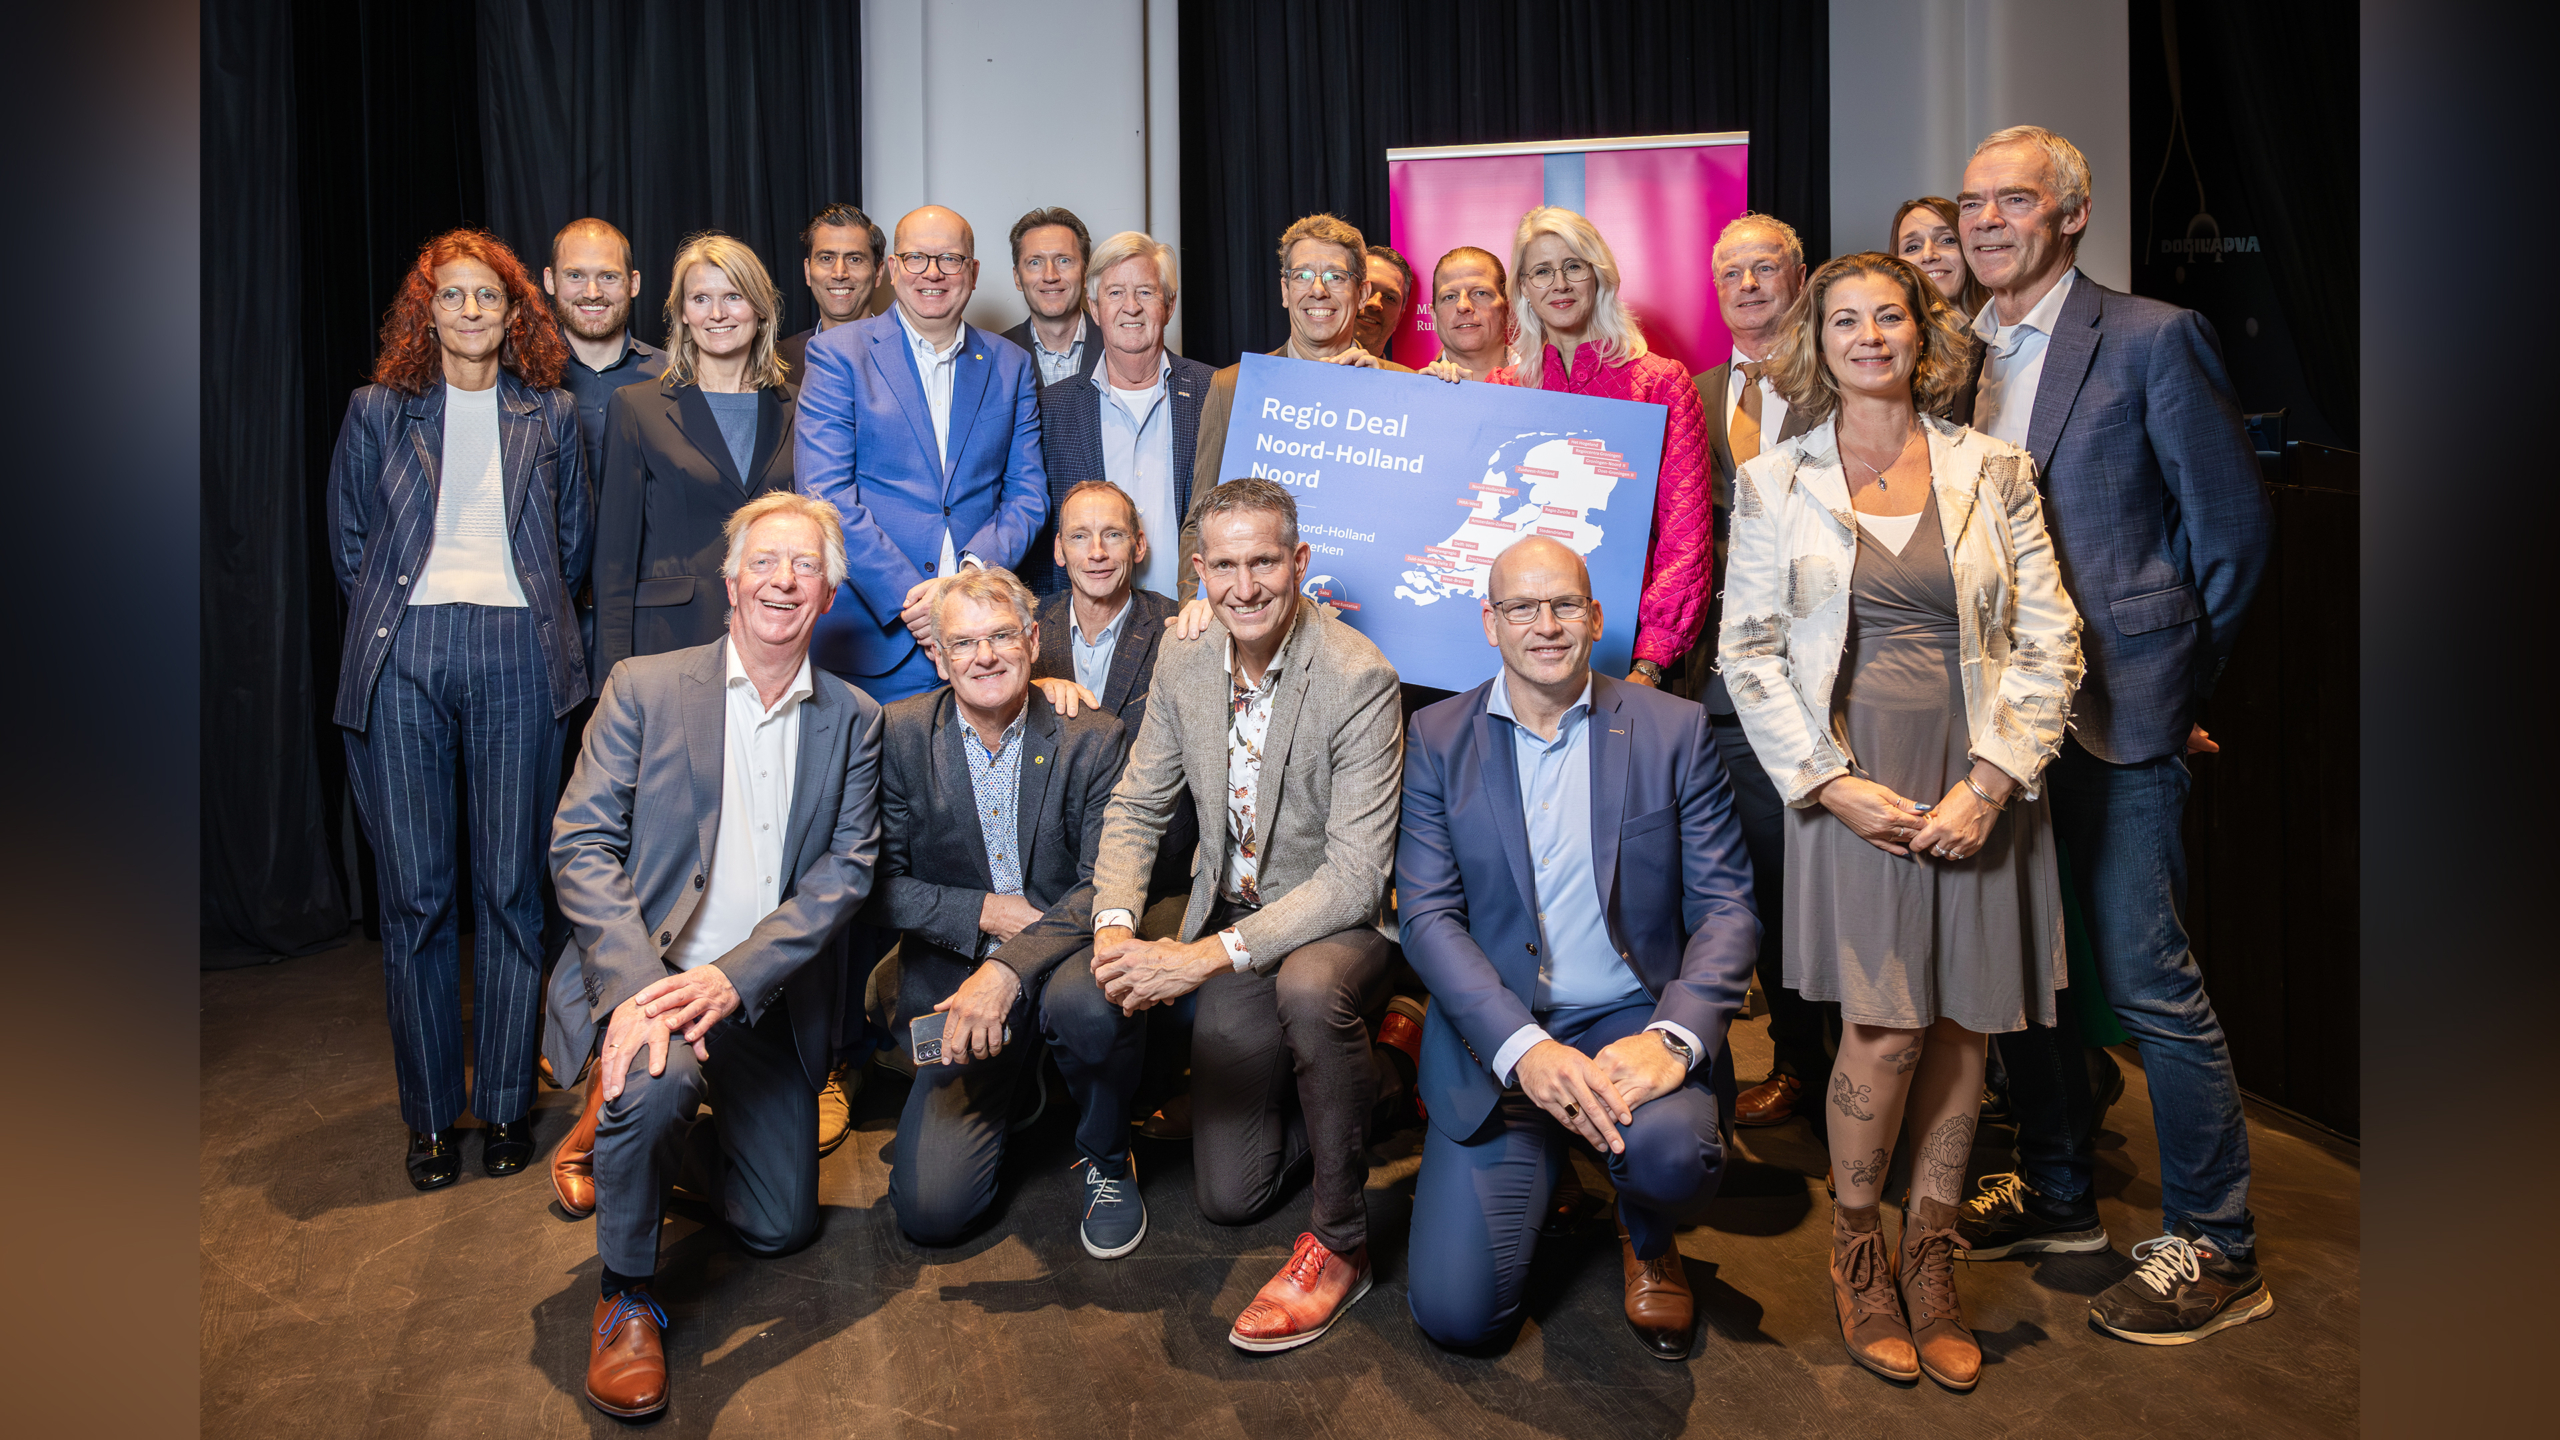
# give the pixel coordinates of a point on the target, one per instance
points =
(1916, 84)
(995, 107)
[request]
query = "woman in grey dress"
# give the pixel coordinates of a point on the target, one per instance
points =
(1902, 654)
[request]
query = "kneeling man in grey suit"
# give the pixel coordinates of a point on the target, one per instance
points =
(722, 821)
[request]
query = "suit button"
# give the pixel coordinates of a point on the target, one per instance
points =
(666, 937)
(946, 510)
(1533, 949)
(404, 579)
(697, 882)
(383, 634)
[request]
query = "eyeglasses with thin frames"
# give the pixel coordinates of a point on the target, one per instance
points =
(916, 262)
(1524, 612)
(450, 297)
(1573, 272)
(1001, 642)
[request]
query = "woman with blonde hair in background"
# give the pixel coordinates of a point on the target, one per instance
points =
(1902, 655)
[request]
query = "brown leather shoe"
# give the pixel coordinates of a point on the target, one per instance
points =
(626, 1361)
(1304, 1299)
(573, 1165)
(1925, 1273)
(1172, 1121)
(835, 1105)
(1660, 1308)
(1771, 1102)
(1862, 1289)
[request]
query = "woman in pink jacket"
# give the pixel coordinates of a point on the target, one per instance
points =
(1577, 335)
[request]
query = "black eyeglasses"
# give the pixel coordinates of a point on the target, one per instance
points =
(1567, 608)
(917, 260)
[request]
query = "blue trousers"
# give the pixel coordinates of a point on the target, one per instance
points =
(463, 690)
(1478, 1203)
(951, 1135)
(912, 676)
(2121, 826)
(757, 1159)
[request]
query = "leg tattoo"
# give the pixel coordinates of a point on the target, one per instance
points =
(1852, 1100)
(1904, 1061)
(1948, 1148)
(1867, 1171)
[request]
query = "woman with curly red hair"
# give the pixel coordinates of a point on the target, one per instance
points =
(459, 528)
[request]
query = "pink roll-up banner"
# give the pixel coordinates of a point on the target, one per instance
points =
(1659, 200)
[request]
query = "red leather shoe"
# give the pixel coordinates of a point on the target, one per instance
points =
(1304, 1299)
(626, 1362)
(1402, 1030)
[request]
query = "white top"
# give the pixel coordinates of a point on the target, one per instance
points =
(939, 371)
(470, 561)
(1773, 406)
(2004, 404)
(745, 884)
(1893, 530)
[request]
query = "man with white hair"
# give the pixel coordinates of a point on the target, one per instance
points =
(991, 809)
(721, 824)
(2151, 490)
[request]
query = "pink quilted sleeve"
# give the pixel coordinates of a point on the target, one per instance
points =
(1676, 583)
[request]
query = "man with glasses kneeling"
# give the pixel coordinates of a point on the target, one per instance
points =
(1574, 890)
(991, 808)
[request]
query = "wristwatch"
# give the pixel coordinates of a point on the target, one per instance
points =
(1650, 671)
(1679, 1047)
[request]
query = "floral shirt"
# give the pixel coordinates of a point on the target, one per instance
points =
(1248, 721)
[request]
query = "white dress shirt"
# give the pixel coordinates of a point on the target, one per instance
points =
(939, 370)
(470, 561)
(2004, 404)
(1057, 365)
(1773, 406)
(763, 755)
(1137, 456)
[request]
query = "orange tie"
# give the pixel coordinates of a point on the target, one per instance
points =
(1745, 428)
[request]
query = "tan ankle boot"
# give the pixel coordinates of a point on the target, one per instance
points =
(1862, 1288)
(1926, 1276)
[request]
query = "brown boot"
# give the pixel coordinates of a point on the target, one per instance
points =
(1862, 1287)
(626, 1360)
(573, 1165)
(1926, 1276)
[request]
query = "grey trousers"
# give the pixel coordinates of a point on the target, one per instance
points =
(1280, 1072)
(758, 1154)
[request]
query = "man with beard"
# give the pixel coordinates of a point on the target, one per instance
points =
(841, 261)
(591, 285)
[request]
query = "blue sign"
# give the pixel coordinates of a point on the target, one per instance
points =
(1408, 486)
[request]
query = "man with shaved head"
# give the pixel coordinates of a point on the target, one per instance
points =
(1574, 889)
(925, 434)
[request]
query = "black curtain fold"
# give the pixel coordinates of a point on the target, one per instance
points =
(1289, 106)
(668, 117)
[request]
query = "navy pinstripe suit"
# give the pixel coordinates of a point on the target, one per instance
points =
(426, 691)
(1071, 451)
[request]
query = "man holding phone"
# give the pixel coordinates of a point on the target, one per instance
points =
(991, 809)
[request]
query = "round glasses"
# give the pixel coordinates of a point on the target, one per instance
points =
(1572, 272)
(450, 297)
(917, 262)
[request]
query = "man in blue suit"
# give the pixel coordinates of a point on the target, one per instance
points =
(1574, 890)
(2152, 493)
(924, 432)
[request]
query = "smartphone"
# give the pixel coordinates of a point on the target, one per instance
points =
(925, 1036)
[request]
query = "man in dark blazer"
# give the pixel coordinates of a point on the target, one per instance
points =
(698, 888)
(2152, 493)
(1133, 420)
(992, 808)
(1759, 268)
(842, 253)
(1052, 255)
(1574, 889)
(925, 434)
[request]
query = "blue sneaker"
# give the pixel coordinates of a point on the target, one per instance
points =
(1115, 1218)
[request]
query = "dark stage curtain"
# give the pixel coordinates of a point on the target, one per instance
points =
(1289, 106)
(596, 108)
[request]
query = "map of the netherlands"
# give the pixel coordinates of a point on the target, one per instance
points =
(1541, 483)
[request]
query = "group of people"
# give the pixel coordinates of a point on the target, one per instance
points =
(896, 638)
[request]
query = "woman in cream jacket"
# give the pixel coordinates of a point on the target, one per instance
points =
(1902, 655)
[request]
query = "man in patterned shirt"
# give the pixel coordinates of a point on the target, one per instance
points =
(991, 806)
(1284, 726)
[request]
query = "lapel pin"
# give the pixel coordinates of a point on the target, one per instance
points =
(1039, 759)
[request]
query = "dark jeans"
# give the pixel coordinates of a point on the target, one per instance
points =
(1802, 1033)
(1281, 1071)
(464, 689)
(1478, 1203)
(2120, 825)
(758, 1154)
(951, 1134)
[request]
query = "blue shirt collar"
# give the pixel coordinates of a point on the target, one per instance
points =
(1499, 703)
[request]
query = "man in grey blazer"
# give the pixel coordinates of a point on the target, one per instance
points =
(1283, 724)
(2152, 494)
(1759, 268)
(722, 822)
(991, 810)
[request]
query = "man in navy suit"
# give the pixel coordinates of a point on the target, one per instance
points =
(924, 432)
(1574, 889)
(2152, 493)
